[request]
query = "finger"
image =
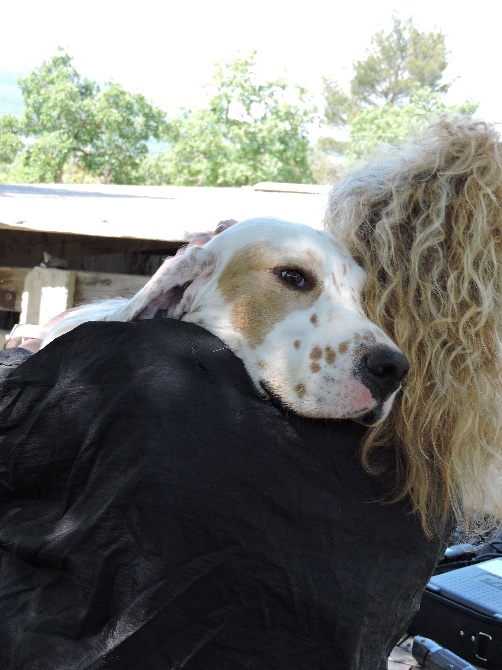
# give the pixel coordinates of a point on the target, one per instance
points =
(13, 342)
(223, 225)
(33, 344)
(199, 240)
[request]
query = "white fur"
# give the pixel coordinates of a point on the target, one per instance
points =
(309, 357)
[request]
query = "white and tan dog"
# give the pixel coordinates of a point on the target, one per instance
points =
(285, 298)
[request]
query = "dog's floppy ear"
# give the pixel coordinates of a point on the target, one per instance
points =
(166, 288)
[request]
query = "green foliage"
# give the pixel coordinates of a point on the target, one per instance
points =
(389, 124)
(10, 140)
(75, 131)
(398, 63)
(397, 86)
(249, 132)
(126, 122)
(72, 121)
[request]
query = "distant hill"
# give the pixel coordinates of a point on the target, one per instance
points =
(11, 101)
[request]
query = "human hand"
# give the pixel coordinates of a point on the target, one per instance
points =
(202, 238)
(33, 344)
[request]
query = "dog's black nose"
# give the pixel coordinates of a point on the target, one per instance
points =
(381, 370)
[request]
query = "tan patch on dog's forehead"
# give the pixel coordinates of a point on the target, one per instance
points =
(259, 299)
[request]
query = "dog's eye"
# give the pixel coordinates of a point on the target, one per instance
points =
(294, 278)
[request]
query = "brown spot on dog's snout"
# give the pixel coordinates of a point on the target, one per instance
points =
(316, 353)
(343, 347)
(259, 300)
(314, 320)
(296, 344)
(261, 365)
(301, 390)
(315, 367)
(330, 355)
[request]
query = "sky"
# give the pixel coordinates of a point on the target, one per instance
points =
(167, 50)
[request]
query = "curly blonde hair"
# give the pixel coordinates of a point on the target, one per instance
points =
(425, 222)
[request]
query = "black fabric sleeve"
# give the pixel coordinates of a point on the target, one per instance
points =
(156, 513)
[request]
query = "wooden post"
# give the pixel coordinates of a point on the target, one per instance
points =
(47, 292)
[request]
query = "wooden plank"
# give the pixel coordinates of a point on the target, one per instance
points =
(26, 249)
(47, 292)
(278, 187)
(75, 288)
(89, 286)
(12, 280)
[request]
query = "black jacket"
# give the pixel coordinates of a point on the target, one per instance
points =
(156, 514)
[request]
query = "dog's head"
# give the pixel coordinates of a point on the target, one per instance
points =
(285, 298)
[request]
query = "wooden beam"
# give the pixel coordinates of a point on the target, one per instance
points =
(26, 249)
(11, 288)
(47, 292)
(88, 286)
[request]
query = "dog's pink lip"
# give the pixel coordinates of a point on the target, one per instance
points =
(368, 416)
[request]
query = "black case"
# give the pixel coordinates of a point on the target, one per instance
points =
(475, 637)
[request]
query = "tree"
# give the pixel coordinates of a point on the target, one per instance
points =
(10, 140)
(373, 126)
(70, 119)
(400, 62)
(250, 131)
(400, 79)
